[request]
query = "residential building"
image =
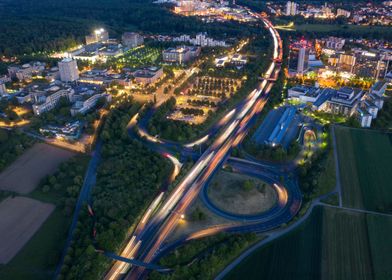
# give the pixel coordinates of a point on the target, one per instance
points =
(335, 43)
(291, 8)
(52, 74)
(343, 13)
(369, 64)
(68, 70)
(201, 39)
(303, 60)
(26, 71)
(347, 62)
(132, 39)
(370, 107)
(23, 97)
(364, 117)
(326, 11)
(20, 72)
(379, 88)
(376, 99)
(299, 57)
(3, 89)
(5, 79)
(46, 99)
(82, 107)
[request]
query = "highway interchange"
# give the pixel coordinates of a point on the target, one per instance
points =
(149, 240)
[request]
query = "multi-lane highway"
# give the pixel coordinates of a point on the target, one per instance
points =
(164, 214)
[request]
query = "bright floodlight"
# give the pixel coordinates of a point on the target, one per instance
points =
(99, 31)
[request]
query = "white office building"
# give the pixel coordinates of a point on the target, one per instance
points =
(68, 70)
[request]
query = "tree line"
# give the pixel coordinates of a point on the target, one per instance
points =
(128, 178)
(204, 258)
(12, 145)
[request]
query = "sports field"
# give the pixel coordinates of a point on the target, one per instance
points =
(365, 158)
(332, 244)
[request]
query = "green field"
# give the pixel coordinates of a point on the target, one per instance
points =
(331, 244)
(327, 179)
(348, 28)
(336, 28)
(379, 232)
(39, 257)
(345, 246)
(296, 255)
(365, 158)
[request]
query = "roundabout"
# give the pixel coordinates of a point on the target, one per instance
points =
(283, 195)
(240, 194)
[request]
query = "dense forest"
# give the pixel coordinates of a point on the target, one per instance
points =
(32, 26)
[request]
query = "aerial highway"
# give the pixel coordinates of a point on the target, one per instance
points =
(161, 219)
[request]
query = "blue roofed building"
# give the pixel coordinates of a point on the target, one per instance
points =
(280, 127)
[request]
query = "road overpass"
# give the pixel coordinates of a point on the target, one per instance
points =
(153, 231)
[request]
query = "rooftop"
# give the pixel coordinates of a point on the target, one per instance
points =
(379, 85)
